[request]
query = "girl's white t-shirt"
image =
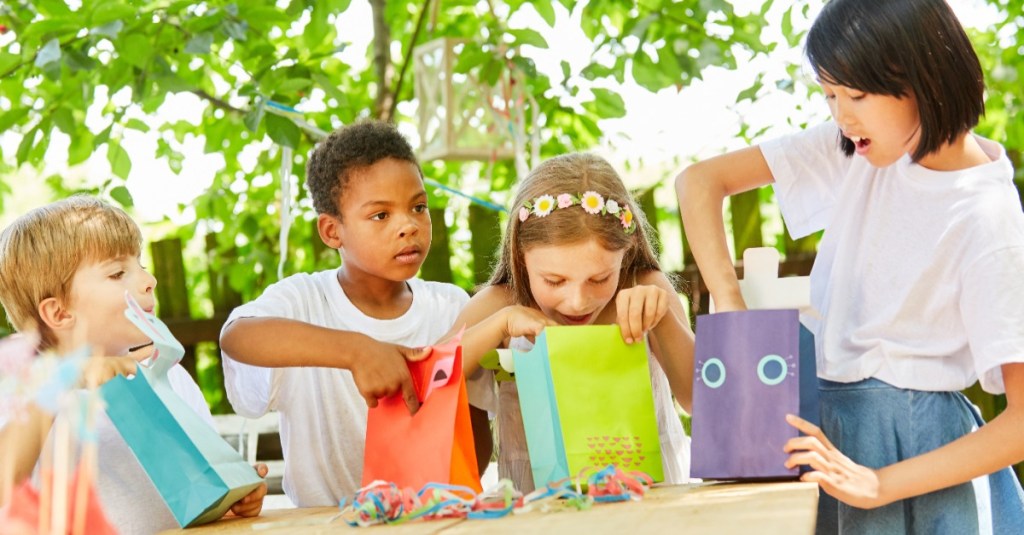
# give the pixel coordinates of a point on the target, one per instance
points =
(919, 278)
(323, 416)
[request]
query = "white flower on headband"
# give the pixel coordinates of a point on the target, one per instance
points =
(543, 205)
(592, 202)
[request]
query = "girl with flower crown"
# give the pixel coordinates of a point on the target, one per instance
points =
(576, 252)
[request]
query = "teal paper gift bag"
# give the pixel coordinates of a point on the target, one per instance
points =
(587, 402)
(197, 473)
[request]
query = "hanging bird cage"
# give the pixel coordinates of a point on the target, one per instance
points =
(460, 118)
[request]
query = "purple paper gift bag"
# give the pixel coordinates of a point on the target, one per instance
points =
(747, 378)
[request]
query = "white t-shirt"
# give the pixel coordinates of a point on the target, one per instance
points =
(323, 417)
(129, 499)
(918, 278)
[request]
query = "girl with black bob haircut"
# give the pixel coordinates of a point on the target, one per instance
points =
(917, 282)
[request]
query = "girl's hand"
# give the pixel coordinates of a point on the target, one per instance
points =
(252, 503)
(844, 479)
(525, 321)
(639, 309)
(98, 370)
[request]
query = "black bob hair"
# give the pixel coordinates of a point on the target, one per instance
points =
(901, 48)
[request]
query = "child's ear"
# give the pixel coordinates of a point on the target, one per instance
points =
(54, 314)
(329, 227)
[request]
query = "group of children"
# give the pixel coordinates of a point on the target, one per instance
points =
(917, 285)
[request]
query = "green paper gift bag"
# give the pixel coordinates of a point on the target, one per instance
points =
(586, 400)
(197, 473)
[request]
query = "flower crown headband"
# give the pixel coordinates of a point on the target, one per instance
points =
(591, 201)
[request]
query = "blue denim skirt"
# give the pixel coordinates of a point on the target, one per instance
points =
(876, 424)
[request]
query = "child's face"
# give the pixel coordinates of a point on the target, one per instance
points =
(883, 128)
(97, 299)
(572, 284)
(385, 228)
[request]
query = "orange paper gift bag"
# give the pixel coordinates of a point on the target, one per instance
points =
(436, 444)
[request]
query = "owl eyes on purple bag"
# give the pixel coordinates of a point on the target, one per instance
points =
(771, 370)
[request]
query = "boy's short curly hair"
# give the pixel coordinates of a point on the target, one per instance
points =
(348, 149)
(41, 251)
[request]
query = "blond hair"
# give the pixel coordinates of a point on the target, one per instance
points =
(574, 174)
(41, 251)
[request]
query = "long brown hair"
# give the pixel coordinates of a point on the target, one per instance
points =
(575, 174)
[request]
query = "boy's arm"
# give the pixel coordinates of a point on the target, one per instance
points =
(672, 341)
(21, 441)
(992, 447)
(701, 189)
(378, 369)
(490, 319)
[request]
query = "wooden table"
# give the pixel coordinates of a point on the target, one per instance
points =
(720, 508)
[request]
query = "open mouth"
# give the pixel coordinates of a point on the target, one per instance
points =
(577, 320)
(861, 143)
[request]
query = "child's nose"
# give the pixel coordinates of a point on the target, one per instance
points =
(148, 282)
(408, 228)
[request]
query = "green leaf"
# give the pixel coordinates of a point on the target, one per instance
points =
(491, 71)
(80, 148)
(528, 37)
(136, 50)
(546, 10)
(316, 30)
(21, 156)
(122, 196)
(254, 117)
(283, 131)
(11, 118)
(471, 56)
(200, 44)
(48, 53)
(235, 29)
(608, 104)
(8, 61)
(120, 162)
(106, 12)
(331, 88)
(751, 92)
(110, 29)
(294, 85)
(137, 124)
(64, 120)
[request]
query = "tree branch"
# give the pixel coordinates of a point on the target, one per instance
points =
(32, 60)
(408, 58)
(216, 102)
(382, 59)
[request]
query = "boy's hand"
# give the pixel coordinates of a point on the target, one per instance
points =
(98, 370)
(525, 321)
(252, 504)
(844, 479)
(639, 309)
(381, 372)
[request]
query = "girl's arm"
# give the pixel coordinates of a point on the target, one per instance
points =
(993, 447)
(672, 341)
(489, 319)
(21, 441)
(701, 189)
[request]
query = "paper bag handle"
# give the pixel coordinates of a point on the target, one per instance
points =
(167, 350)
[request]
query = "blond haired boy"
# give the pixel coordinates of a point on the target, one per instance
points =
(64, 271)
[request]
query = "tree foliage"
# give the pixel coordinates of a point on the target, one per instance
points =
(251, 61)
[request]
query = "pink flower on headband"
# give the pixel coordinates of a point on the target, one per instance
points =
(627, 219)
(565, 200)
(523, 214)
(592, 202)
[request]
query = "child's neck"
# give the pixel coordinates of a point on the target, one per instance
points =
(963, 153)
(376, 297)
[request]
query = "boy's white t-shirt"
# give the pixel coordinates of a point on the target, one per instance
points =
(918, 275)
(323, 417)
(130, 501)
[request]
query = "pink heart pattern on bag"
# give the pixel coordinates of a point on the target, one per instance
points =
(622, 451)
